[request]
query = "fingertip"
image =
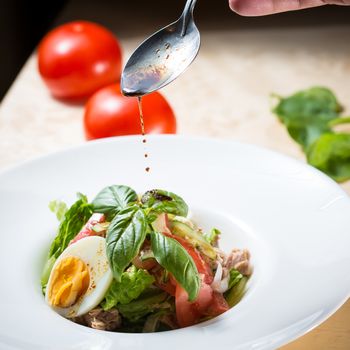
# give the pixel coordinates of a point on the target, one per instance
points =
(248, 8)
(235, 5)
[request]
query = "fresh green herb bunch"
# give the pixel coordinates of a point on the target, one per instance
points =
(310, 117)
(130, 226)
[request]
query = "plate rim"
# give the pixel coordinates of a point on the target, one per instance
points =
(282, 339)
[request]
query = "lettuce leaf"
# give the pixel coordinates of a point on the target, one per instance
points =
(213, 236)
(133, 282)
(235, 277)
(149, 302)
(59, 208)
(71, 222)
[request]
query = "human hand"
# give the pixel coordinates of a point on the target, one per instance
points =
(267, 7)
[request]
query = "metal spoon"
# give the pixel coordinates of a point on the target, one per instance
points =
(163, 56)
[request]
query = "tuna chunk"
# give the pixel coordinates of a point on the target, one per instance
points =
(239, 260)
(99, 319)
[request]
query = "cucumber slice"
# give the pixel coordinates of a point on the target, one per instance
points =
(235, 294)
(193, 236)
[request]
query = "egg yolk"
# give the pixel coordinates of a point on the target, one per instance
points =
(69, 281)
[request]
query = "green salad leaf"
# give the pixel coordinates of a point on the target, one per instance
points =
(125, 236)
(331, 154)
(153, 321)
(45, 275)
(147, 303)
(307, 114)
(71, 222)
(112, 199)
(174, 258)
(74, 219)
(235, 277)
(213, 236)
(132, 283)
(161, 201)
(59, 208)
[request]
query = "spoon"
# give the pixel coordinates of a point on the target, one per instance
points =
(163, 56)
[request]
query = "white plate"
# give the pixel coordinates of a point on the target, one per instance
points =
(294, 220)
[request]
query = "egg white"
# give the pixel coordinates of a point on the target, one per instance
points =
(91, 250)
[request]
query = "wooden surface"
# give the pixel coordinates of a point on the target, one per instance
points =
(224, 94)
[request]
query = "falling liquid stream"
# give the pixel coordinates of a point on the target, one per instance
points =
(139, 101)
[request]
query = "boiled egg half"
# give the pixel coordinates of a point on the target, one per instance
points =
(79, 278)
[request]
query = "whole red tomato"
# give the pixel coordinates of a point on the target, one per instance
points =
(78, 58)
(109, 113)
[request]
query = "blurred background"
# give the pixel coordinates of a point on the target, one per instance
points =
(23, 23)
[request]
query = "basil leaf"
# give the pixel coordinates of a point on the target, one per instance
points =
(174, 258)
(125, 236)
(133, 282)
(307, 114)
(331, 154)
(74, 219)
(162, 201)
(112, 199)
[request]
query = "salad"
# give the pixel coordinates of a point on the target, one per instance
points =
(130, 263)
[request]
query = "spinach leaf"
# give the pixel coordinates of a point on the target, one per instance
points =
(112, 199)
(162, 201)
(174, 258)
(331, 154)
(307, 114)
(74, 219)
(144, 305)
(125, 236)
(133, 282)
(59, 208)
(235, 277)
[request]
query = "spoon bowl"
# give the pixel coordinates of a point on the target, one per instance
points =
(163, 56)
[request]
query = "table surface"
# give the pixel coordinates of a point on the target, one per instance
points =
(224, 94)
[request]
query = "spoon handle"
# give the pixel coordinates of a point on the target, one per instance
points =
(187, 15)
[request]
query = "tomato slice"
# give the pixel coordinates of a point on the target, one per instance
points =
(218, 305)
(208, 302)
(168, 285)
(202, 266)
(186, 314)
